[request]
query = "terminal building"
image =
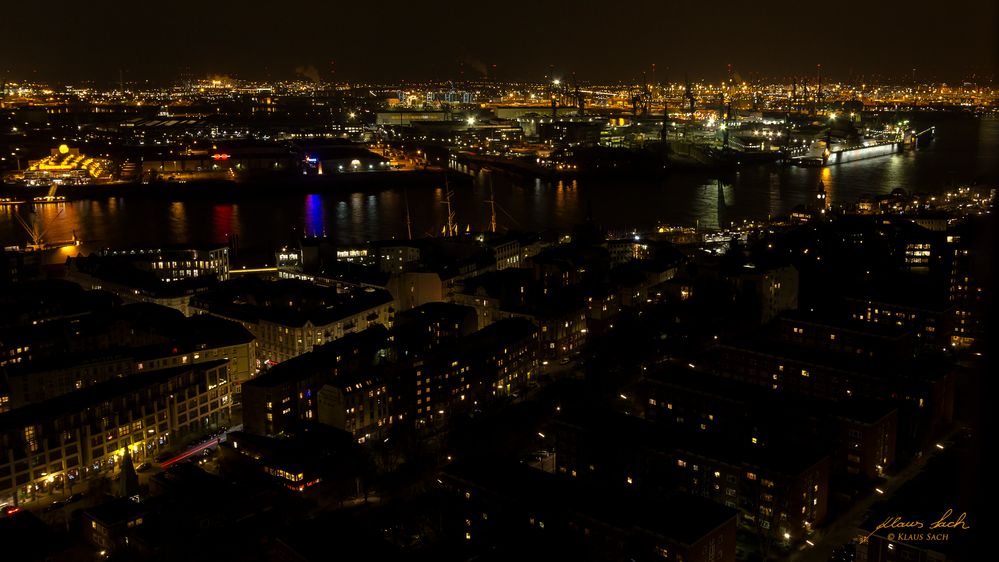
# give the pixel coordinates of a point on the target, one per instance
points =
(66, 166)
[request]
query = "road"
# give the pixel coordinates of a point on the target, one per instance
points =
(846, 527)
(189, 453)
(200, 447)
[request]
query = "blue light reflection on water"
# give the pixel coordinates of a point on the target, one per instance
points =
(964, 151)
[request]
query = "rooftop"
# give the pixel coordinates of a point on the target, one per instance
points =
(324, 357)
(781, 457)
(288, 302)
(92, 395)
(767, 402)
(680, 517)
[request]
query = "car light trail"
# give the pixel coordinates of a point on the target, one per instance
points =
(189, 453)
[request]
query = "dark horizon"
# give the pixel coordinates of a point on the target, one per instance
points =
(893, 42)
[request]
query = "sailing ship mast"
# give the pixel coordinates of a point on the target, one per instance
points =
(452, 228)
(492, 206)
(409, 223)
(35, 231)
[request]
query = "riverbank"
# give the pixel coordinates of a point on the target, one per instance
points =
(262, 185)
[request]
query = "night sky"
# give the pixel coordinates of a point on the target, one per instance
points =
(391, 40)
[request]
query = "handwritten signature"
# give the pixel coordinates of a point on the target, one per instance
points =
(943, 522)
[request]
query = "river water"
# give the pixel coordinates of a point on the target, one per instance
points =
(964, 151)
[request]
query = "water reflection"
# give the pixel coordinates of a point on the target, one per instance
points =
(341, 214)
(829, 185)
(774, 199)
(315, 215)
(961, 153)
(372, 215)
(178, 221)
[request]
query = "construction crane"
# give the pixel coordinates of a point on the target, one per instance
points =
(818, 86)
(664, 132)
(35, 230)
(580, 100)
(689, 94)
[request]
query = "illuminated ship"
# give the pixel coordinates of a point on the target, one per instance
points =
(843, 143)
(65, 166)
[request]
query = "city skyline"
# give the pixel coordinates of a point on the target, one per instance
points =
(571, 281)
(111, 42)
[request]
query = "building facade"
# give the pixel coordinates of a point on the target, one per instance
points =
(61, 442)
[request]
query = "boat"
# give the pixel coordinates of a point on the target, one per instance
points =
(51, 196)
(36, 232)
(50, 199)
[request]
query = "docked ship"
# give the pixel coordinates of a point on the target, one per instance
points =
(36, 235)
(64, 166)
(843, 143)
